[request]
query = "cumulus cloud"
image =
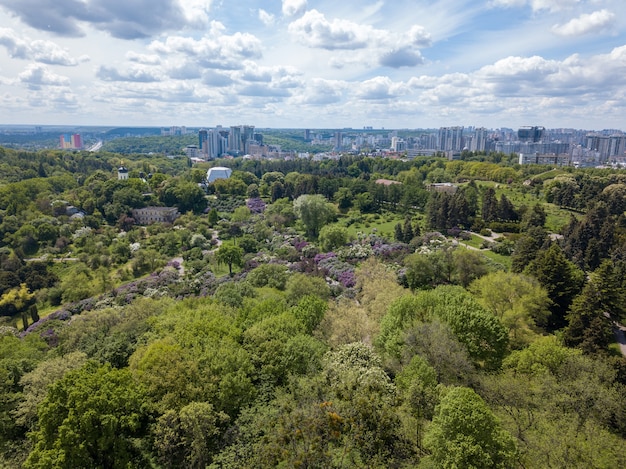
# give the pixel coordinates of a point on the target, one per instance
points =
(595, 22)
(216, 79)
(281, 76)
(404, 57)
(391, 49)
(314, 30)
(380, 88)
(134, 74)
(40, 51)
(264, 90)
(36, 76)
(119, 18)
(145, 59)
(321, 92)
(266, 18)
(215, 50)
(186, 71)
(294, 7)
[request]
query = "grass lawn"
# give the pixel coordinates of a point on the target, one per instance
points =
(498, 258)
(384, 224)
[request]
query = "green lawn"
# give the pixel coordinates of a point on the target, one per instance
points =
(384, 224)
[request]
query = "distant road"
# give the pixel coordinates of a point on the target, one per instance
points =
(96, 146)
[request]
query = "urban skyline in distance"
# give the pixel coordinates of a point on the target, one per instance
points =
(314, 63)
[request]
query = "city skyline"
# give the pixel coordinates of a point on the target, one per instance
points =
(317, 64)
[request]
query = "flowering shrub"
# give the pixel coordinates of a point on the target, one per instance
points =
(338, 270)
(82, 232)
(256, 205)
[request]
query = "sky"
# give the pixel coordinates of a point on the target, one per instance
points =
(314, 64)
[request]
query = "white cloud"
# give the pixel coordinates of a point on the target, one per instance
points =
(595, 22)
(40, 51)
(321, 92)
(380, 88)
(215, 50)
(37, 76)
(536, 5)
(294, 7)
(393, 50)
(196, 11)
(314, 30)
(266, 18)
(139, 74)
(146, 59)
(122, 19)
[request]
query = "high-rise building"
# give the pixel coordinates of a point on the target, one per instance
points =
(203, 139)
(247, 137)
(450, 139)
(71, 142)
(601, 144)
(479, 140)
(531, 134)
(234, 139)
(338, 141)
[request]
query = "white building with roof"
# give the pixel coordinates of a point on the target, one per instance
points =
(218, 172)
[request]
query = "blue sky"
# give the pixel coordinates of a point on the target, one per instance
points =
(317, 64)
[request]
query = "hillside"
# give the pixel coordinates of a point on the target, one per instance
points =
(319, 319)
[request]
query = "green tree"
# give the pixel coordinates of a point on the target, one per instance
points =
(16, 300)
(490, 205)
(519, 301)
(344, 198)
(468, 266)
(309, 311)
(230, 255)
(465, 433)
(213, 217)
(332, 237)
(90, 419)
(301, 285)
(562, 280)
(314, 211)
(187, 438)
(271, 275)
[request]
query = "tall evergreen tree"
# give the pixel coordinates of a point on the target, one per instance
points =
(561, 278)
(407, 232)
(490, 205)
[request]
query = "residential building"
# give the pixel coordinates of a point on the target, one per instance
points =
(149, 215)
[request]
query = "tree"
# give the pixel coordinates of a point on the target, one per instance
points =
(16, 300)
(562, 280)
(465, 433)
(490, 205)
(230, 255)
(89, 419)
(301, 285)
(309, 311)
(468, 265)
(344, 198)
(333, 237)
(314, 212)
(398, 233)
(35, 385)
(527, 247)
(519, 301)
(407, 231)
(187, 438)
(213, 217)
(589, 318)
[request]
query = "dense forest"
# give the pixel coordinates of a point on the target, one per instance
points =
(351, 312)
